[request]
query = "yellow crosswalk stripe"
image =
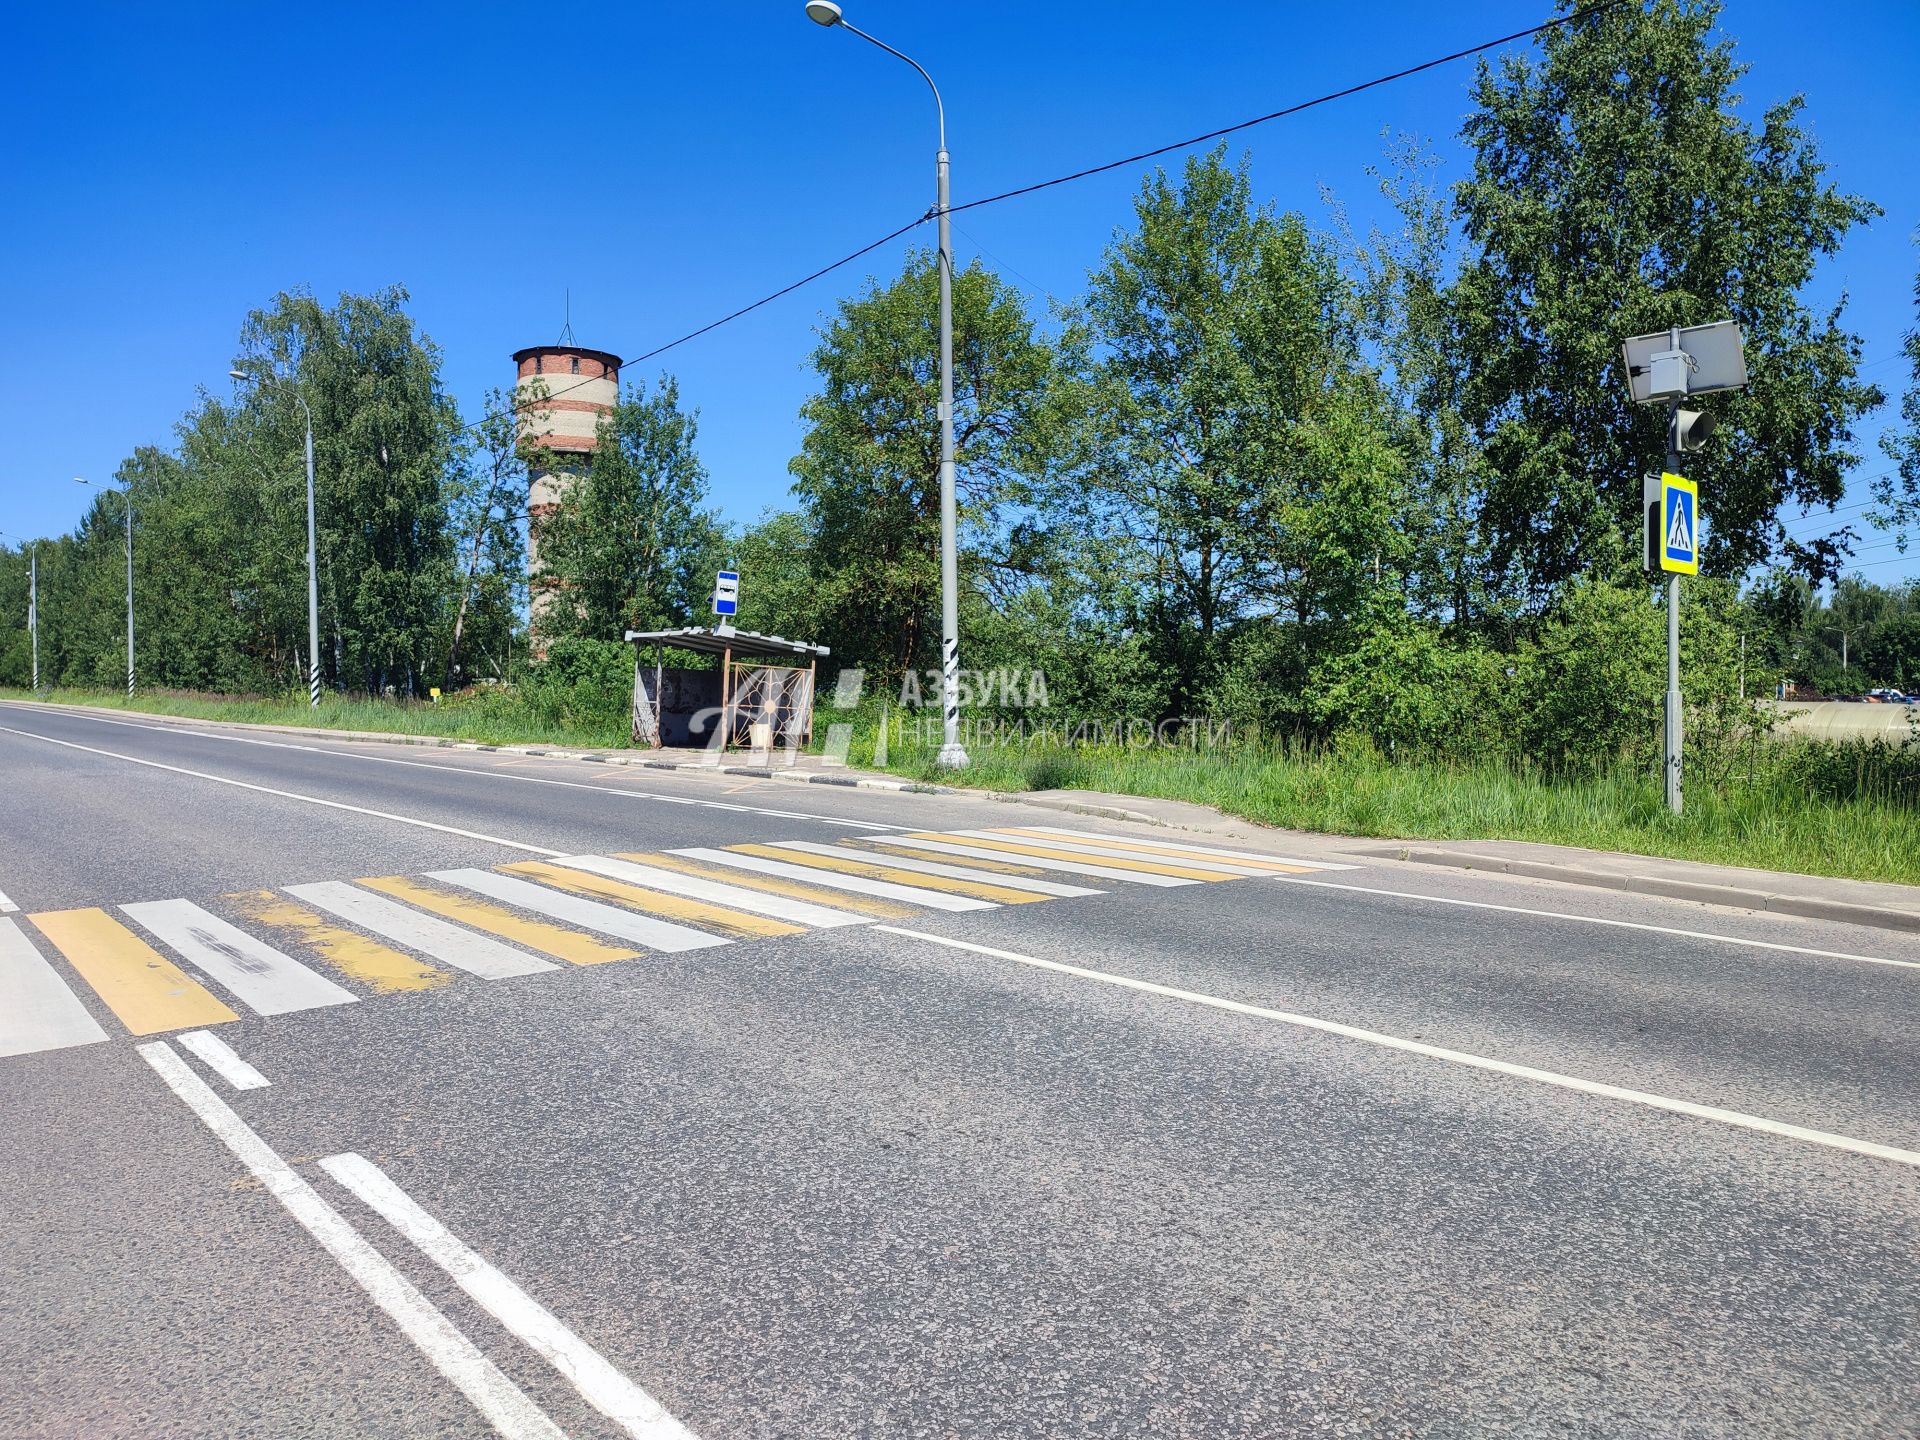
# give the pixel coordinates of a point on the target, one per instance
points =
(381, 968)
(539, 935)
(653, 902)
(1172, 851)
(1112, 862)
(975, 862)
(854, 864)
(779, 885)
(140, 985)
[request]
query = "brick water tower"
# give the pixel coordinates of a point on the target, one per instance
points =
(580, 386)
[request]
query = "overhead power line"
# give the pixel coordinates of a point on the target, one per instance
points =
(1544, 26)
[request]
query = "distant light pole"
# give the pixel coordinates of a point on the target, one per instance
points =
(33, 603)
(126, 494)
(1842, 633)
(313, 563)
(952, 755)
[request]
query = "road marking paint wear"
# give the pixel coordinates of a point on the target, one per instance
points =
(886, 889)
(382, 969)
(737, 923)
(449, 944)
(7, 907)
(1600, 920)
(866, 905)
(1000, 864)
(286, 794)
(588, 914)
(220, 1058)
(259, 975)
(146, 990)
(1435, 1052)
(504, 1404)
(738, 897)
(1072, 867)
(1093, 850)
(599, 1383)
(847, 862)
(1008, 878)
(993, 840)
(37, 1010)
(1283, 863)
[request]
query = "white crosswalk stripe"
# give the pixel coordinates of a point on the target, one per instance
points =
(37, 1010)
(258, 975)
(1111, 852)
(1039, 862)
(587, 914)
(855, 884)
(1183, 847)
(450, 944)
(937, 867)
(754, 902)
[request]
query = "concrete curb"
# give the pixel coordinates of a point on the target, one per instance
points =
(1810, 907)
(1075, 807)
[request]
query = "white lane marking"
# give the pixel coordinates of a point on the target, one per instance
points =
(936, 867)
(1095, 837)
(256, 973)
(450, 944)
(456, 1357)
(1109, 853)
(285, 794)
(592, 1374)
(37, 1010)
(488, 773)
(7, 907)
(219, 1058)
(1454, 1057)
(1598, 920)
(856, 884)
(674, 882)
(575, 910)
(1037, 862)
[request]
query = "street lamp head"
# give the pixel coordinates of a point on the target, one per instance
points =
(239, 375)
(823, 12)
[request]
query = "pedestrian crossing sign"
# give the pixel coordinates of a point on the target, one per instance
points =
(1679, 525)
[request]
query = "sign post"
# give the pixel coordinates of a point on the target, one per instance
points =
(1666, 367)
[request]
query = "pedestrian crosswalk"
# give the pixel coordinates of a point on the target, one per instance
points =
(156, 966)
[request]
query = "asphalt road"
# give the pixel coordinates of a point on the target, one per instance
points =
(1370, 1150)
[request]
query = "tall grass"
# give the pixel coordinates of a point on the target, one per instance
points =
(1803, 806)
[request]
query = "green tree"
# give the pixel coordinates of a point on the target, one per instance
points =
(632, 546)
(1898, 495)
(1616, 190)
(868, 471)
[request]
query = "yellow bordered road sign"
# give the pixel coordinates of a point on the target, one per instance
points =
(1679, 525)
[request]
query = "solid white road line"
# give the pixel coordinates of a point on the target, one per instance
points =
(219, 1058)
(37, 1010)
(935, 867)
(675, 882)
(1037, 862)
(1454, 1057)
(575, 910)
(1598, 920)
(450, 944)
(599, 1383)
(1095, 837)
(285, 794)
(854, 884)
(456, 1357)
(257, 974)
(485, 774)
(1094, 852)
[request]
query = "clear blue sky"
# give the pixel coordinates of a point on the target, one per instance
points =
(170, 167)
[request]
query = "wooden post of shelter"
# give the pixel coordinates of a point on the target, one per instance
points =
(726, 690)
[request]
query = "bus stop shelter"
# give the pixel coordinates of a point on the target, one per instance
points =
(761, 696)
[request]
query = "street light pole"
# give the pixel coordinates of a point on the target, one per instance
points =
(313, 558)
(952, 754)
(1674, 709)
(33, 602)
